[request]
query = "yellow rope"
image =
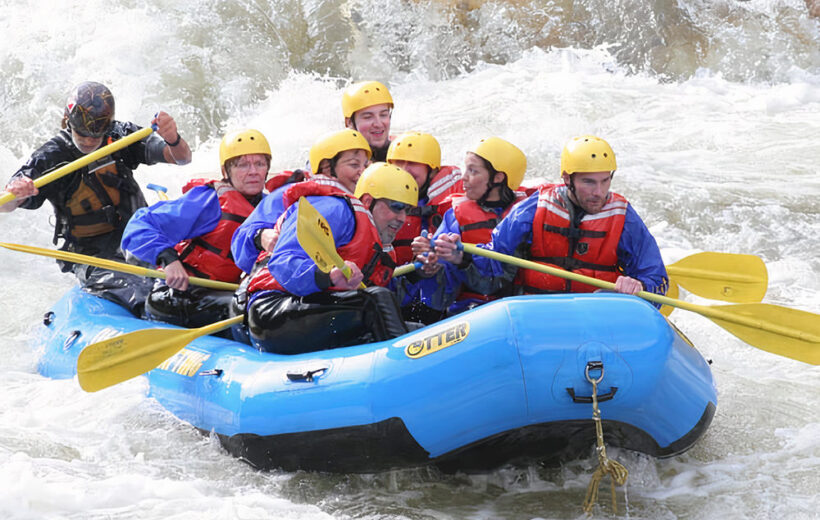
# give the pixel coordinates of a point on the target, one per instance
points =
(614, 469)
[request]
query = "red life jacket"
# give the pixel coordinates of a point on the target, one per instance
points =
(364, 249)
(590, 249)
(278, 180)
(447, 182)
(209, 255)
(474, 222)
(476, 226)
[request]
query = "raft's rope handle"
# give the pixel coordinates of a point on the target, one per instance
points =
(614, 469)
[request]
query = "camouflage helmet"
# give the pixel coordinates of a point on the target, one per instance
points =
(89, 110)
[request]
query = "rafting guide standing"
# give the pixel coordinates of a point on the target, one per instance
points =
(93, 204)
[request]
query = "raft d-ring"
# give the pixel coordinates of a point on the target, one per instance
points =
(69, 341)
(594, 365)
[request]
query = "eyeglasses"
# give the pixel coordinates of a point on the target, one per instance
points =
(396, 206)
(245, 166)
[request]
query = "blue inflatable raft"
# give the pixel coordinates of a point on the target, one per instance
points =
(504, 383)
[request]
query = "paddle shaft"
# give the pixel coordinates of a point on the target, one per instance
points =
(115, 266)
(709, 312)
(83, 161)
(404, 269)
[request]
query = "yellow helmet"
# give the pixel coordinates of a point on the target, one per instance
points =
(332, 144)
(385, 181)
(505, 157)
(364, 94)
(242, 142)
(416, 147)
(587, 153)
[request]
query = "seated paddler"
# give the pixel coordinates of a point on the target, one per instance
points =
(493, 172)
(191, 235)
(367, 107)
(422, 291)
(578, 225)
(337, 159)
(294, 306)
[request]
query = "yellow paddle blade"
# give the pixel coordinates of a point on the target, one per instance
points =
(780, 330)
(83, 161)
(119, 359)
(786, 332)
(666, 310)
(316, 238)
(114, 265)
(722, 276)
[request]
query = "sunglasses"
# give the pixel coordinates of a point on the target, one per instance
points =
(87, 135)
(396, 206)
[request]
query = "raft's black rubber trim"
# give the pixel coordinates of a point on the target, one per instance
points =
(355, 449)
(388, 445)
(556, 442)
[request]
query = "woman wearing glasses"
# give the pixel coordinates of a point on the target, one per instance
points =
(191, 236)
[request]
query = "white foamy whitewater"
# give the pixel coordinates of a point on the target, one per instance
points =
(712, 107)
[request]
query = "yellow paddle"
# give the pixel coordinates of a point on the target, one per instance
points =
(718, 276)
(83, 161)
(114, 265)
(118, 359)
(787, 332)
(722, 276)
(316, 238)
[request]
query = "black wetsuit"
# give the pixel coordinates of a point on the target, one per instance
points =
(98, 231)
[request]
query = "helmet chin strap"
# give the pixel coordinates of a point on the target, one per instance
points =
(423, 189)
(332, 164)
(502, 195)
(490, 186)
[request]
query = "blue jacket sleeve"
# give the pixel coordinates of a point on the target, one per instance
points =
(264, 216)
(639, 255)
(159, 227)
(290, 264)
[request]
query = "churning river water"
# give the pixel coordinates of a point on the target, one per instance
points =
(712, 107)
